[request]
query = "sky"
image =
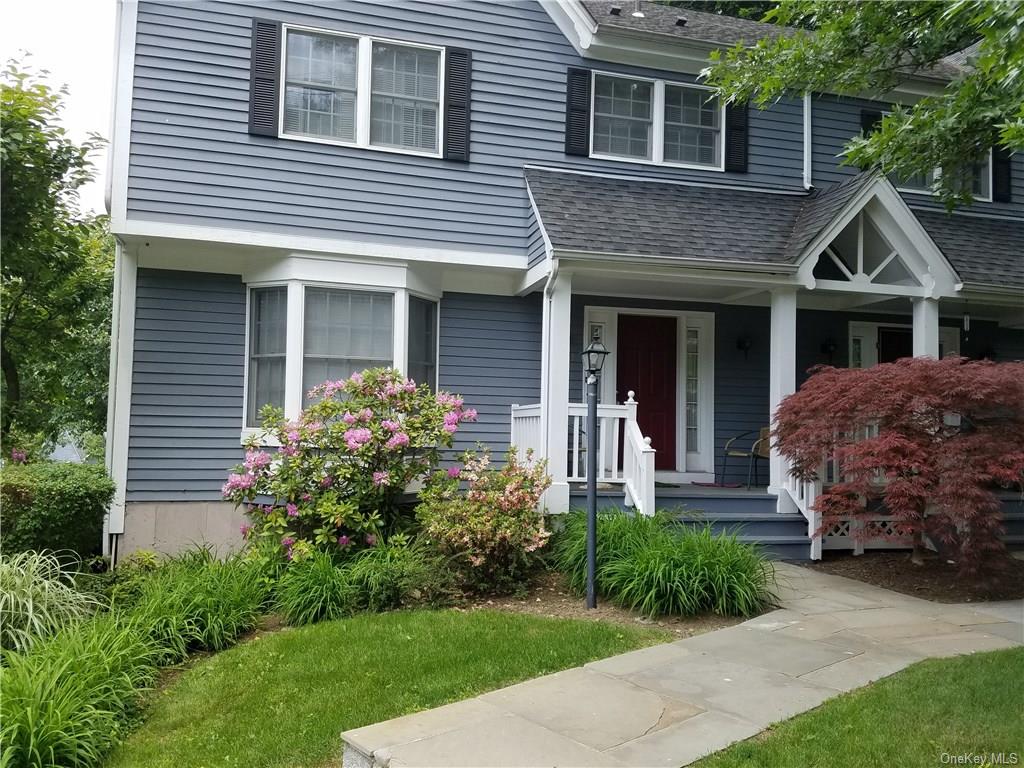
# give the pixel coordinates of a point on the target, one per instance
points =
(74, 40)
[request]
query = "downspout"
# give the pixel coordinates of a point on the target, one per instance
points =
(808, 143)
(545, 392)
(115, 335)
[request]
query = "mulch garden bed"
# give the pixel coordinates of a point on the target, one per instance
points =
(549, 595)
(936, 579)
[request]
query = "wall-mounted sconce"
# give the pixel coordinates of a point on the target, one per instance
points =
(743, 344)
(828, 347)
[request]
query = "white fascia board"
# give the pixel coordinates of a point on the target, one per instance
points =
(304, 243)
(573, 21)
(548, 248)
(116, 188)
(534, 278)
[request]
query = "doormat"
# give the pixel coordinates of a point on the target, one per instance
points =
(718, 485)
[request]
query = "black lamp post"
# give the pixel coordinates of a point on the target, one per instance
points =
(593, 361)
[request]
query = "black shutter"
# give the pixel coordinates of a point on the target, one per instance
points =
(577, 111)
(457, 83)
(869, 120)
(1002, 188)
(736, 137)
(264, 66)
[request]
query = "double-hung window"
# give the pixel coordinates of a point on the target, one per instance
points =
(656, 121)
(423, 341)
(268, 332)
(344, 332)
(362, 91)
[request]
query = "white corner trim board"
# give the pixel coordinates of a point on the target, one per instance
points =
(119, 388)
(116, 192)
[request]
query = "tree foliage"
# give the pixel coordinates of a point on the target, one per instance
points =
(861, 47)
(928, 441)
(57, 268)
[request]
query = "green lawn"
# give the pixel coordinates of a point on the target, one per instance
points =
(284, 698)
(966, 705)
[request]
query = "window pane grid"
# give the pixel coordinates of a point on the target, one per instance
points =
(692, 390)
(405, 97)
(320, 85)
(622, 117)
(692, 126)
(423, 341)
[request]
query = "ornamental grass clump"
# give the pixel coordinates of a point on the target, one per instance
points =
(37, 599)
(314, 589)
(336, 482)
(67, 701)
(492, 529)
(657, 567)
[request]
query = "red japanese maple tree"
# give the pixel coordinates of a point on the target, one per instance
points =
(926, 442)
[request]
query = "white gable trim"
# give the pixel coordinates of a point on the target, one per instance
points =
(887, 210)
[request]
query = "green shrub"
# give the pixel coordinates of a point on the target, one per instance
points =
(37, 598)
(395, 574)
(315, 589)
(55, 506)
(66, 702)
(491, 530)
(656, 567)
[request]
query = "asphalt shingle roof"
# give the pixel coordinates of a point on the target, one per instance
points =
(590, 213)
(981, 249)
(660, 19)
(624, 216)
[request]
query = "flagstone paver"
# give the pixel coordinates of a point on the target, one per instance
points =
(671, 704)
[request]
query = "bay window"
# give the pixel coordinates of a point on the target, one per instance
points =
(656, 121)
(303, 334)
(370, 93)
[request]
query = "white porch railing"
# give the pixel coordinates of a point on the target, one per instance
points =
(624, 455)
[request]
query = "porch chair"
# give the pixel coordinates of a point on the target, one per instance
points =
(758, 450)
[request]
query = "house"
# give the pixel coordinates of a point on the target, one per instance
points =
(473, 191)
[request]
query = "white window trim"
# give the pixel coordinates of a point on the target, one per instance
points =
(938, 171)
(657, 124)
(690, 466)
(294, 351)
(364, 72)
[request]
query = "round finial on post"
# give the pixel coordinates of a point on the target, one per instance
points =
(630, 395)
(647, 440)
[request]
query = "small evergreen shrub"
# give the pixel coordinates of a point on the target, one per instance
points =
(651, 565)
(55, 506)
(492, 530)
(66, 702)
(37, 598)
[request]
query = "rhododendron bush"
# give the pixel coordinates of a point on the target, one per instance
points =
(928, 442)
(337, 478)
(487, 520)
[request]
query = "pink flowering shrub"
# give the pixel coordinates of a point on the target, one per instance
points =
(336, 480)
(492, 529)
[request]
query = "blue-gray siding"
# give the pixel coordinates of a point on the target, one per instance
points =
(490, 350)
(193, 161)
(187, 379)
(835, 120)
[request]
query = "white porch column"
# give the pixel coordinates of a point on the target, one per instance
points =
(782, 371)
(555, 389)
(926, 327)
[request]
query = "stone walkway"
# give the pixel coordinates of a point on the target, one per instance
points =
(670, 704)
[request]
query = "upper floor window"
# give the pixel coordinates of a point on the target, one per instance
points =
(362, 91)
(980, 180)
(656, 121)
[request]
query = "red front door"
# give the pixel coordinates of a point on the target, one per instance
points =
(646, 364)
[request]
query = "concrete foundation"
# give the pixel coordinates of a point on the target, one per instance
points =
(172, 526)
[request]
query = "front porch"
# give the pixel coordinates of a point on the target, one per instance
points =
(701, 354)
